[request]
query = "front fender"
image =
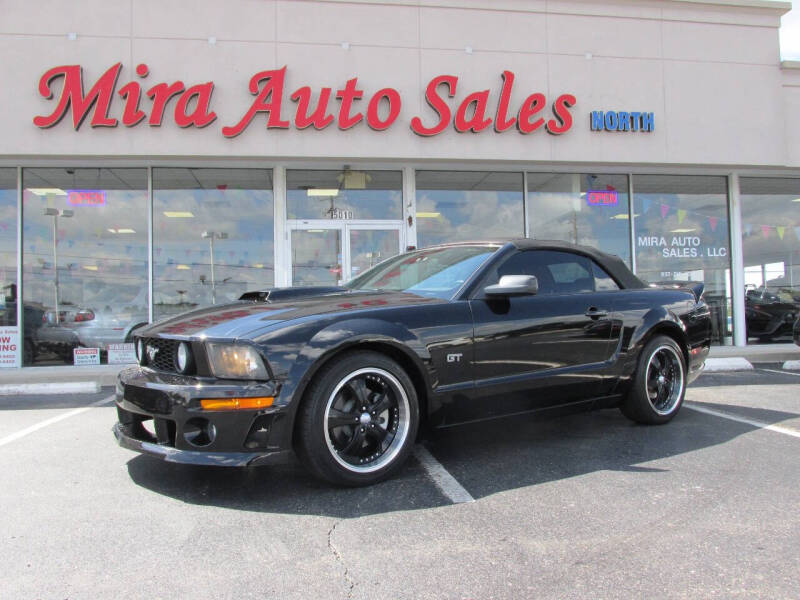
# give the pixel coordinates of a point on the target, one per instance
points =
(340, 336)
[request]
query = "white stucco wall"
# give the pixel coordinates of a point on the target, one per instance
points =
(710, 72)
(791, 95)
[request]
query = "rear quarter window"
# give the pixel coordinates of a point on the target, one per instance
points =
(603, 282)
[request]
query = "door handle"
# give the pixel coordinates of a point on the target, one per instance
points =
(595, 313)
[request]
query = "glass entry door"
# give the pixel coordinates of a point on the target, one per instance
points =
(334, 252)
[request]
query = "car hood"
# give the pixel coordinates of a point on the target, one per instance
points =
(247, 317)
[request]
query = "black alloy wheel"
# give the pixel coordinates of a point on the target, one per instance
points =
(659, 385)
(358, 420)
(664, 379)
(365, 415)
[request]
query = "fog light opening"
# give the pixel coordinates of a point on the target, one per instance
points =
(199, 432)
(258, 436)
(149, 427)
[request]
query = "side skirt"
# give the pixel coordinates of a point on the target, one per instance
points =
(548, 412)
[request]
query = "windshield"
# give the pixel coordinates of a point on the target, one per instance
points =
(436, 272)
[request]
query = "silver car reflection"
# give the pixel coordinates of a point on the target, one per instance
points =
(108, 318)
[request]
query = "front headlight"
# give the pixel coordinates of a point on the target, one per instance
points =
(235, 361)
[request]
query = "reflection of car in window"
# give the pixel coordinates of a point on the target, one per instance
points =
(33, 316)
(346, 376)
(770, 315)
(111, 315)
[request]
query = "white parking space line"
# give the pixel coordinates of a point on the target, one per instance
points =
(42, 424)
(781, 372)
(745, 420)
(441, 477)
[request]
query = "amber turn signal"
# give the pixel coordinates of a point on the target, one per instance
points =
(236, 403)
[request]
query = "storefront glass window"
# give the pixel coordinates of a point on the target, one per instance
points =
(341, 195)
(84, 261)
(681, 232)
(588, 209)
(468, 205)
(212, 235)
(8, 247)
(771, 247)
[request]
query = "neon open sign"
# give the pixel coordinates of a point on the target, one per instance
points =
(601, 197)
(86, 197)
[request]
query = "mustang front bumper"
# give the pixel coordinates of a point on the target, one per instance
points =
(160, 414)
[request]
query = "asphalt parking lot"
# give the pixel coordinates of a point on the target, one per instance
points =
(584, 506)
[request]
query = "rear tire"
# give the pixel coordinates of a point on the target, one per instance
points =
(659, 385)
(358, 420)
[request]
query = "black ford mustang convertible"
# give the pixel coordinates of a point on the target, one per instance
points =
(346, 376)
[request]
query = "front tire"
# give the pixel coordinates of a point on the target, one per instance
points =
(358, 420)
(659, 385)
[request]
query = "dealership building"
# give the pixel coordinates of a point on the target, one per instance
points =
(160, 155)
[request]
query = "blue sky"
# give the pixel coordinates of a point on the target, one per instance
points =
(790, 33)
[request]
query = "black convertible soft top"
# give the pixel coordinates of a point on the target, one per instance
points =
(612, 263)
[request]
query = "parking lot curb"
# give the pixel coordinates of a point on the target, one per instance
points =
(730, 363)
(64, 387)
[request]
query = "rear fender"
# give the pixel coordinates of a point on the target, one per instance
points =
(655, 321)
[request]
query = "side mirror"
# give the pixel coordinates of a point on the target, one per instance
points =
(513, 285)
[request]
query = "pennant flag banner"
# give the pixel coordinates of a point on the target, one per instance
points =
(681, 215)
(781, 231)
(664, 210)
(713, 222)
(765, 230)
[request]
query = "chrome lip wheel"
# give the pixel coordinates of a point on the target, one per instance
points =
(366, 420)
(664, 379)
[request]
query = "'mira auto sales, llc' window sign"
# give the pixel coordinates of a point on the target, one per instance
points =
(192, 106)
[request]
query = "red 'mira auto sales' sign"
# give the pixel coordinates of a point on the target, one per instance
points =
(192, 106)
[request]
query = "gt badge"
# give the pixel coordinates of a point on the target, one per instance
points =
(451, 358)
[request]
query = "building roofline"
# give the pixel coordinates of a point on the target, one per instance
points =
(772, 5)
(768, 4)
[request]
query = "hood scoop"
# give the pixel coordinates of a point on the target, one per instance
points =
(293, 293)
